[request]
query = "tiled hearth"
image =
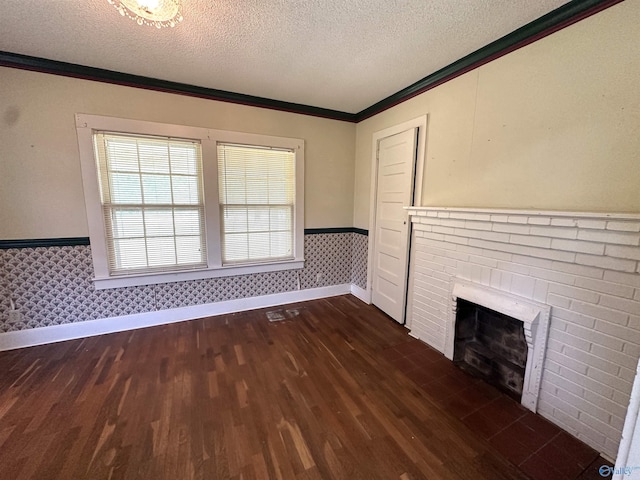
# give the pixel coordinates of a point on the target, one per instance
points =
(540, 449)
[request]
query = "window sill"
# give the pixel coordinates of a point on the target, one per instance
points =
(182, 276)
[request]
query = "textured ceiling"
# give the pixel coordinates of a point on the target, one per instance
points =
(339, 54)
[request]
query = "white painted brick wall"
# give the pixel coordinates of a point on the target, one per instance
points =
(584, 265)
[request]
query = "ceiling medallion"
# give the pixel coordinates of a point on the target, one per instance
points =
(155, 13)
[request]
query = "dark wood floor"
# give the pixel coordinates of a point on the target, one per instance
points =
(319, 395)
(539, 448)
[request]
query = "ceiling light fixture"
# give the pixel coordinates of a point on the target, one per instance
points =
(155, 13)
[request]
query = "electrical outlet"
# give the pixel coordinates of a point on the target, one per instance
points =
(14, 316)
(319, 278)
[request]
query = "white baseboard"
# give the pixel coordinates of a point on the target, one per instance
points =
(361, 293)
(70, 331)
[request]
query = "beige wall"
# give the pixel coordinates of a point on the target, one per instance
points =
(40, 184)
(554, 125)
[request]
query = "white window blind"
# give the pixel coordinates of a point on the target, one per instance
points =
(256, 196)
(152, 202)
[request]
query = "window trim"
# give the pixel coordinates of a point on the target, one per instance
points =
(86, 125)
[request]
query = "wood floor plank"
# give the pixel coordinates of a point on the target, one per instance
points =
(234, 397)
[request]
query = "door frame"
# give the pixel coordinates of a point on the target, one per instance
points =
(421, 124)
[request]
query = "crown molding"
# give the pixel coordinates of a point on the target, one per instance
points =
(44, 65)
(562, 17)
(553, 21)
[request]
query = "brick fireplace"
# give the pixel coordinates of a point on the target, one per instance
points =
(583, 268)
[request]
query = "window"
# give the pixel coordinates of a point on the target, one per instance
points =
(169, 203)
(152, 202)
(256, 187)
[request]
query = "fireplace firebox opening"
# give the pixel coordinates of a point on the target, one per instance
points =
(492, 346)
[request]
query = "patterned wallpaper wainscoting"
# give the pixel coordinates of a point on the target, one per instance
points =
(328, 254)
(52, 285)
(5, 304)
(359, 259)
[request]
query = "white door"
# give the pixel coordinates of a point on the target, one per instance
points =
(396, 164)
